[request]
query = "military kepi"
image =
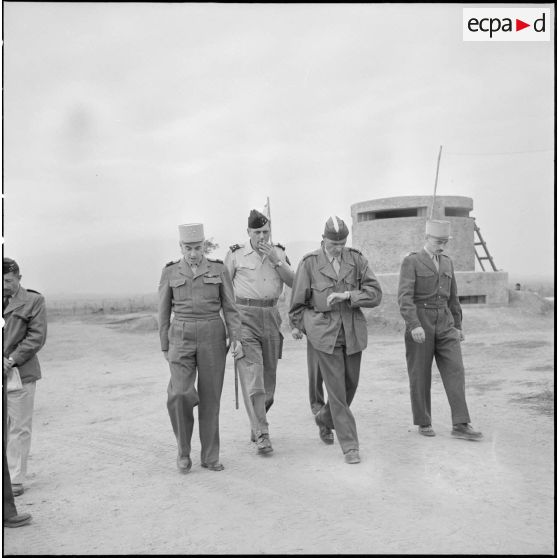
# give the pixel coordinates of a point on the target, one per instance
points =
(256, 220)
(335, 229)
(439, 229)
(192, 232)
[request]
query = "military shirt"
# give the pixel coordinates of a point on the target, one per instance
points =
(422, 285)
(196, 295)
(254, 276)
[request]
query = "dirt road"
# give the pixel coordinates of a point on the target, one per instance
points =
(103, 477)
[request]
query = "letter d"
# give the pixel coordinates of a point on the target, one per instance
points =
(537, 21)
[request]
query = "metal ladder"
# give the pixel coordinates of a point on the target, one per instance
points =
(488, 257)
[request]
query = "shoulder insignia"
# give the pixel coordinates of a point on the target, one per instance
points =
(235, 247)
(305, 257)
(32, 291)
(411, 253)
(214, 260)
(355, 250)
(171, 263)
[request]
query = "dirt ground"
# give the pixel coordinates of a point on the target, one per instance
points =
(103, 477)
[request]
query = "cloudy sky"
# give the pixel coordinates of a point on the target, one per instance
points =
(123, 120)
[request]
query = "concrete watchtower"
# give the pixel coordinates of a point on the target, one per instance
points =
(387, 229)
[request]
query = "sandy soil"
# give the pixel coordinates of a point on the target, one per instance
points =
(103, 478)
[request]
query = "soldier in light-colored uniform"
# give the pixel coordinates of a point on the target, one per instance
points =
(330, 287)
(196, 290)
(259, 270)
(430, 306)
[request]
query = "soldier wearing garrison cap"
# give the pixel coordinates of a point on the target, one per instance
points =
(429, 304)
(259, 270)
(331, 286)
(194, 290)
(24, 334)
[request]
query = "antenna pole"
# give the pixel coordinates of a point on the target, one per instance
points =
(436, 183)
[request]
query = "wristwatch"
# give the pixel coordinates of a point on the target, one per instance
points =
(278, 264)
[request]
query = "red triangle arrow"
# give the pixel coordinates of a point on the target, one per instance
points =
(519, 25)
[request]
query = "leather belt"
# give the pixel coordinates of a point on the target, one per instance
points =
(262, 303)
(431, 306)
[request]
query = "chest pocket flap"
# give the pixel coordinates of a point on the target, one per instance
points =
(424, 273)
(212, 279)
(177, 282)
(21, 316)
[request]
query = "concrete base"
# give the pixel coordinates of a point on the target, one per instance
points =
(481, 287)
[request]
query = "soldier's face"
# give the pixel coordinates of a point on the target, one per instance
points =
(334, 247)
(192, 251)
(11, 283)
(436, 245)
(259, 236)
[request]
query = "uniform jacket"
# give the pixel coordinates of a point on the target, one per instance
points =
(315, 279)
(25, 331)
(198, 296)
(421, 285)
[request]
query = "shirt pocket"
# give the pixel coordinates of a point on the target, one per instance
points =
(179, 288)
(211, 286)
(445, 280)
(320, 292)
(425, 282)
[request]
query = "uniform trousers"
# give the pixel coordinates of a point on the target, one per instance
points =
(442, 343)
(20, 419)
(315, 380)
(196, 345)
(341, 373)
(262, 343)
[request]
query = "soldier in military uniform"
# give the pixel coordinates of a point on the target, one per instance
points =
(24, 334)
(331, 286)
(259, 270)
(430, 306)
(195, 289)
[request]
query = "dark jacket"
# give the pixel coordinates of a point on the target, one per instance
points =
(421, 285)
(201, 296)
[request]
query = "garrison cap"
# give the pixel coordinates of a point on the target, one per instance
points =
(9, 266)
(335, 229)
(256, 220)
(192, 232)
(439, 229)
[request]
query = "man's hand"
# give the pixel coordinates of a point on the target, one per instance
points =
(7, 366)
(334, 298)
(461, 335)
(269, 251)
(418, 335)
(166, 355)
(296, 333)
(236, 350)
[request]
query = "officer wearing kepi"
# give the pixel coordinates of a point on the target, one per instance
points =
(429, 304)
(259, 270)
(195, 289)
(331, 286)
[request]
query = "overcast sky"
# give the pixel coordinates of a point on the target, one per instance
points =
(123, 120)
